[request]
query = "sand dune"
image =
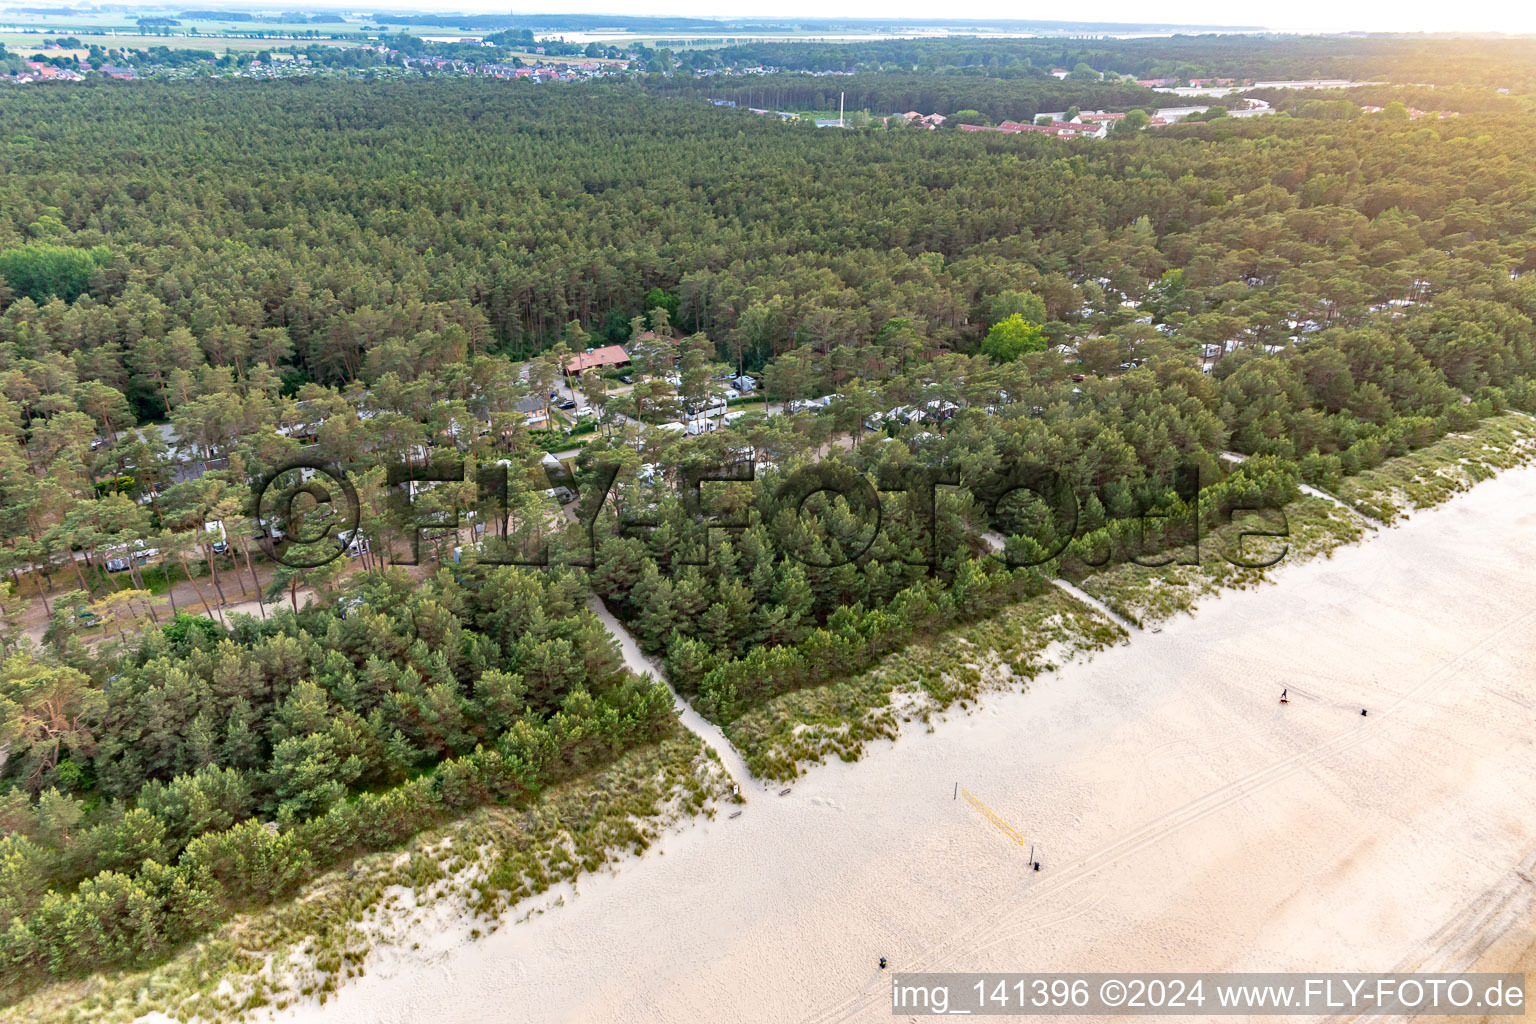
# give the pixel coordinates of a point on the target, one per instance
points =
(1184, 818)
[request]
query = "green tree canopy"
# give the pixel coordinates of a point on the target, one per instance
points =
(42, 271)
(1011, 338)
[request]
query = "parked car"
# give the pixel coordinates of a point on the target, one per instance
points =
(625, 378)
(568, 404)
(117, 565)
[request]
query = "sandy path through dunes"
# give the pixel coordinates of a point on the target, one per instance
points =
(1185, 820)
(700, 726)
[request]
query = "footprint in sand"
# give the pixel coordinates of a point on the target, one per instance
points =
(823, 801)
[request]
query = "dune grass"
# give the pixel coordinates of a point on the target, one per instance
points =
(464, 880)
(1150, 596)
(789, 733)
(1438, 472)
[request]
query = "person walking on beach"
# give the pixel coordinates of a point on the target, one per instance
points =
(1283, 698)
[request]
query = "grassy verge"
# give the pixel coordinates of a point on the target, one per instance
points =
(458, 882)
(1149, 596)
(807, 726)
(1436, 473)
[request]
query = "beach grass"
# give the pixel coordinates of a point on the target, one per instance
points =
(1148, 596)
(1438, 472)
(795, 730)
(471, 876)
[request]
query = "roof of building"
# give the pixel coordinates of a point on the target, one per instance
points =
(608, 355)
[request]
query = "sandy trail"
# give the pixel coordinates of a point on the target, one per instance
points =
(702, 727)
(1314, 492)
(997, 542)
(1185, 820)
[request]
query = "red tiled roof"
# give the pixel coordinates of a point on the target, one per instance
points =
(608, 355)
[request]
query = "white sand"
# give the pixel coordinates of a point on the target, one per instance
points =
(1185, 820)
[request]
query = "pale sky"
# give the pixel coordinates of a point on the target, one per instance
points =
(1293, 15)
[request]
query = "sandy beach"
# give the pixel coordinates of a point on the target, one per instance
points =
(1184, 819)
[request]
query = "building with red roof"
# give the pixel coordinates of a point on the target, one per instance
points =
(606, 358)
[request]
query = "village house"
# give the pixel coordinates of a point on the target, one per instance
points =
(609, 357)
(929, 121)
(1061, 129)
(535, 410)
